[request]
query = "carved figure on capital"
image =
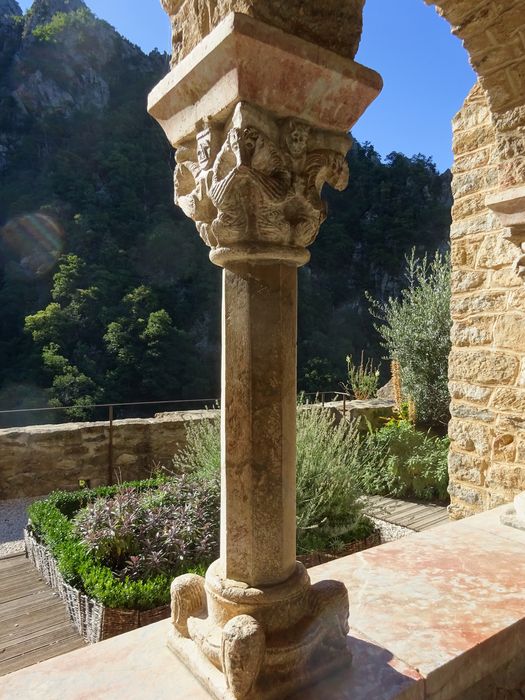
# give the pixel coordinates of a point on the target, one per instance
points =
(193, 176)
(249, 181)
(254, 180)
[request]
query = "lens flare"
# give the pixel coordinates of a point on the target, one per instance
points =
(36, 240)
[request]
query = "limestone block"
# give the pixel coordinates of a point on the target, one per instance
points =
(504, 448)
(458, 510)
(497, 497)
(517, 299)
(470, 392)
(502, 476)
(464, 252)
(458, 410)
(483, 367)
(472, 116)
(476, 330)
(510, 145)
(483, 301)
(484, 222)
(473, 139)
(470, 182)
(472, 437)
(467, 280)
(505, 279)
(510, 423)
(472, 161)
(509, 331)
(521, 376)
(512, 173)
(510, 119)
(496, 251)
(470, 495)
(509, 400)
(464, 467)
(520, 447)
(467, 206)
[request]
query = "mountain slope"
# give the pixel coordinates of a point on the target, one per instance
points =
(106, 291)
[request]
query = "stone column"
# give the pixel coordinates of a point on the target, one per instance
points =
(259, 119)
(258, 422)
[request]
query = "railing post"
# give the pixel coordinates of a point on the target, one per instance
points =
(110, 446)
(344, 406)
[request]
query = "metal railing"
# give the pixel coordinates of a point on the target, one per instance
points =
(109, 411)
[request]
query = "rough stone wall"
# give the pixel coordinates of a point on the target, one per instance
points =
(487, 363)
(39, 459)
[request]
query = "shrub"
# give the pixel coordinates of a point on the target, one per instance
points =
(399, 460)
(201, 456)
(62, 21)
(363, 379)
(328, 508)
(416, 332)
(327, 505)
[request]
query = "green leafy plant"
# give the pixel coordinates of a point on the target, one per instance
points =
(363, 379)
(61, 21)
(201, 455)
(415, 329)
(145, 534)
(328, 510)
(401, 461)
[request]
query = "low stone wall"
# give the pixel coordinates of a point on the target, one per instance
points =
(39, 459)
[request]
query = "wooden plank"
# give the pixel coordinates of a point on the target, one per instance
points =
(414, 516)
(429, 517)
(28, 606)
(34, 621)
(6, 562)
(18, 631)
(56, 628)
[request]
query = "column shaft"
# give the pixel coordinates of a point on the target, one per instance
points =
(258, 423)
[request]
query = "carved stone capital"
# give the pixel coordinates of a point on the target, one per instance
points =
(253, 183)
(509, 206)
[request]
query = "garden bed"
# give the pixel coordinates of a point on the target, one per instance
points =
(94, 621)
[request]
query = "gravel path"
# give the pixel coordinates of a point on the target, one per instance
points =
(13, 519)
(389, 531)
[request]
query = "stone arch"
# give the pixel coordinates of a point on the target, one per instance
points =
(487, 362)
(493, 33)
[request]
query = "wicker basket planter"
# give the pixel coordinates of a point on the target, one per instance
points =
(93, 620)
(96, 622)
(315, 558)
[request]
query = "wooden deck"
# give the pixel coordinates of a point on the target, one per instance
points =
(414, 516)
(34, 625)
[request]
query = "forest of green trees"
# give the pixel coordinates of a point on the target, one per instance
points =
(106, 290)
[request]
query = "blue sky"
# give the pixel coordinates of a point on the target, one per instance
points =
(424, 67)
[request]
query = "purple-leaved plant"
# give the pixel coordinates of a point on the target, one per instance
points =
(140, 534)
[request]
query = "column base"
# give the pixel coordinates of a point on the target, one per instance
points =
(244, 643)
